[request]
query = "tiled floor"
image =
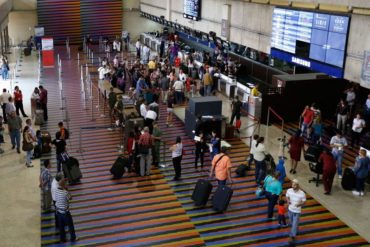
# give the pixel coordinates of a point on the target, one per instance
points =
(20, 195)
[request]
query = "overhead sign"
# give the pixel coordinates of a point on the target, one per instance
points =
(365, 74)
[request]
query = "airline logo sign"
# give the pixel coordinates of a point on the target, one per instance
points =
(301, 61)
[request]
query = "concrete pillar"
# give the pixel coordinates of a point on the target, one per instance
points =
(225, 21)
(168, 9)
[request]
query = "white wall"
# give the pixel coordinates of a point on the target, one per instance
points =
(20, 23)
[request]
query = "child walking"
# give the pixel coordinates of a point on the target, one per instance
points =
(281, 213)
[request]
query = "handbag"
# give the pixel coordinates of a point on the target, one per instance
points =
(27, 146)
(260, 191)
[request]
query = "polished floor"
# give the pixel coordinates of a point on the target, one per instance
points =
(154, 211)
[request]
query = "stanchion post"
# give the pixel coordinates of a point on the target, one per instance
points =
(78, 58)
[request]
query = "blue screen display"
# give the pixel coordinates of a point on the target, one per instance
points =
(325, 35)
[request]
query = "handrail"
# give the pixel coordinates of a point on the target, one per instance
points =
(269, 109)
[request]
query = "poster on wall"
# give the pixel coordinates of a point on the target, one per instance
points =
(47, 44)
(365, 74)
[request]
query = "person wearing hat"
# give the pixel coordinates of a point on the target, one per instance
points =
(221, 167)
(295, 198)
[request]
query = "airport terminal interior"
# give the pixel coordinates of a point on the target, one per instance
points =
(122, 96)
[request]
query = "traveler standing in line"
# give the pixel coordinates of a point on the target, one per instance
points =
(357, 126)
(296, 144)
(200, 149)
(207, 82)
(251, 150)
(259, 159)
(216, 144)
(60, 148)
(157, 135)
(112, 99)
(145, 150)
(4, 100)
(10, 107)
(329, 168)
(221, 167)
(27, 145)
(18, 101)
(338, 142)
(54, 187)
(236, 108)
(361, 170)
(35, 97)
(342, 115)
(273, 189)
(176, 150)
(170, 101)
(295, 199)
(45, 185)
(15, 127)
(4, 69)
(44, 101)
(62, 198)
(138, 48)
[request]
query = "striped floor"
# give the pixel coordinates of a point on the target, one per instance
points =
(155, 211)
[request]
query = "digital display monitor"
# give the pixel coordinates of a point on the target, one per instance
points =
(192, 9)
(310, 39)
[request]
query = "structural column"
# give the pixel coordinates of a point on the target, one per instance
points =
(225, 21)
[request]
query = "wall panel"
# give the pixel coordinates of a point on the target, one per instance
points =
(61, 19)
(101, 17)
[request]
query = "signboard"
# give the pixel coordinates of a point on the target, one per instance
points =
(47, 45)
(365, 74)
(225, 28)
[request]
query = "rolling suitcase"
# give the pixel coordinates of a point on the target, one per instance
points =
(221, 198)
(348, 179)
(39, 117)
(71, 169)
(313, 153)
(229, 131)
(45, 140)
(118, 168)
(27, 51)
(201, 192)
(241, 171)
(238, 124)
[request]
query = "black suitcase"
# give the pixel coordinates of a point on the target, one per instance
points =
(221, 198)
(241, 171)
(27, 51)
(201, 192)
(118, 168)
(71, 169)
(37, 151)
(348, 179)
(313, 153)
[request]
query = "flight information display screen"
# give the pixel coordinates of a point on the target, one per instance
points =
(312, 36)
(192, 9)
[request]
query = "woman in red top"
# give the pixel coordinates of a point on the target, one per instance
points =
(18, 101)
(329, 169)
(296, 144)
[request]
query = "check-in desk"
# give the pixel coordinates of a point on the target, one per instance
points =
(255, 106)
(152, 42)
(227, 84)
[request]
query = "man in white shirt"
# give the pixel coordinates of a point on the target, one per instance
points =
(182, 76)
(357, 127)
(4, 100)
(138, 48)
(30, 129)
(54, 187)
(146, 54)
(178, 87)
(150, 117)
(338, 142)
(295, 199)
(143, 109)
(103, 71)
(252, 148)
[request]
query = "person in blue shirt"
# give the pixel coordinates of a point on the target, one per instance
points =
(141, 86)
(273, 190)
(361, 170)
(216, 144)
(281, 169)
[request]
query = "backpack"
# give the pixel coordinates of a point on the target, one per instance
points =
(66, 134)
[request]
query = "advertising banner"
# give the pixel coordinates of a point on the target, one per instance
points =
(47, 44)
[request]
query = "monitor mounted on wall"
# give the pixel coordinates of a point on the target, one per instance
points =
(192, 9)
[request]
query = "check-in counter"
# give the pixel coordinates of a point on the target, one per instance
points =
(227, 84)
(151, 41)
(255, 107)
